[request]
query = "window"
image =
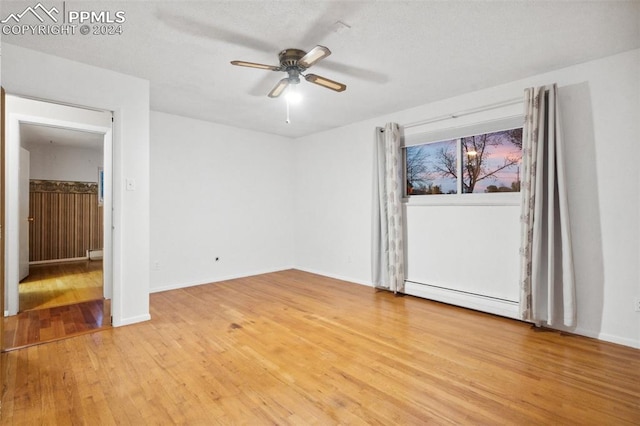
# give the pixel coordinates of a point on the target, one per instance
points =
(481, 163)
(427, 168)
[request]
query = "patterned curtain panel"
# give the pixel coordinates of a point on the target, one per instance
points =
(547, 285)
(388, 244)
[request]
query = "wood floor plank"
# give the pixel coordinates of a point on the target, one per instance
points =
(297, 348)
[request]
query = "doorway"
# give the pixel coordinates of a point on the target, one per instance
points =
(48, 130)
(61, 250)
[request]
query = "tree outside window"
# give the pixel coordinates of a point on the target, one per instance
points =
(483, 163)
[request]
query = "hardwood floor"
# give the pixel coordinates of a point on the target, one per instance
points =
(58, 301)
(296, 348)
(39, 326)
(58, 284)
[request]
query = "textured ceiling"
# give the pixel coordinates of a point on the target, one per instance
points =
(393, 55)
(33, 135)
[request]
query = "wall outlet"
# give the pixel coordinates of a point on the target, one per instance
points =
(636, 304)
(155, 266)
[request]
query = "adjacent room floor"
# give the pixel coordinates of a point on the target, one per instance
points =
(58, 284)
(58, 300)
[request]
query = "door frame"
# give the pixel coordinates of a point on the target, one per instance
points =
(21, 110)
(24, 172)
(2, 232)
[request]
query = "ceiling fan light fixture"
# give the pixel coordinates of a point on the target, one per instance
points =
(294, 62)
(293, 95)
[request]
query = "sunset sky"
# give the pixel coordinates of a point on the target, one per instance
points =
(494, 156)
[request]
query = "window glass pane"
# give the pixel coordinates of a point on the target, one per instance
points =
(431, 168)
(491, 162)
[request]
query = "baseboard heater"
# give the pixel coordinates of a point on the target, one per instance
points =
(478, 302)
(94, 254)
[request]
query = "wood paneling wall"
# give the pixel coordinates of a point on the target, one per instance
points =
(67, 220)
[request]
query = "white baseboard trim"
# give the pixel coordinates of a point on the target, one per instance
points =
(490, 305)
(131, 320)
(70, 259)
(177, 286)
(334, 276)
(619, 340)
(503, 308)
(605, 337)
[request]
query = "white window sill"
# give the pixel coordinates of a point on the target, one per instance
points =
(492, 199)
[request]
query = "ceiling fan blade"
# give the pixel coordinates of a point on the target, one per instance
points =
(255, 65)
(325, 82)
(313, 56)
(279, 88)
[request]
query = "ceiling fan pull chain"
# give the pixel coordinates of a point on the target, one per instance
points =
(288, 120)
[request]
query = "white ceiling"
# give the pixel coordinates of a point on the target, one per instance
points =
(34, 135)
(395, 55)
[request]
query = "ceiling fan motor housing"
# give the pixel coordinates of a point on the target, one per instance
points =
(289, 62)
(289, 58)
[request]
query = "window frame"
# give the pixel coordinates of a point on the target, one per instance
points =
(457, 134)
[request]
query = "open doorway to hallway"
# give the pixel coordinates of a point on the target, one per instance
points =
(64, 242)
(59, 249)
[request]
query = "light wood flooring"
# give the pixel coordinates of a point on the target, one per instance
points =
(58, 301)
(59, 284)
(296, 348)
(44, 325)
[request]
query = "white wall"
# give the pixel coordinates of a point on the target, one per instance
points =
(447, 248)
(600, 104)
(333, 202)
(217, 191)
(128, 97)
(65, 163)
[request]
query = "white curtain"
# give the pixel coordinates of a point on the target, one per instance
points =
(388, 228)
(547, 286)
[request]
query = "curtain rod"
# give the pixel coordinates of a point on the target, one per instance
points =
(465, 112)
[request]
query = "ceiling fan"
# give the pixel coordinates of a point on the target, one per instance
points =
(295, 62)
